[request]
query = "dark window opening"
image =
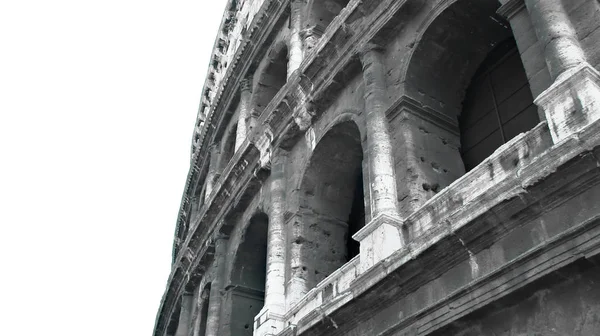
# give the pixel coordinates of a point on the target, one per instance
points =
(271, 80)
(357, 216)
(498, 105)
(247, 290)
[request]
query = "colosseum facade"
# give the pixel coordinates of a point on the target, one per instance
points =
(393, 167)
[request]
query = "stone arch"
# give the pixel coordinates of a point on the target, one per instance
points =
(348, 115)
(246, 288)
(451, 44)
(330, 207)
(272, 77)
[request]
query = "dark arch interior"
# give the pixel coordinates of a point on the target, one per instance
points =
(248, 278)
(465, 60)
(450, 52)
(272, 79)
(332, 203)
(498, 105)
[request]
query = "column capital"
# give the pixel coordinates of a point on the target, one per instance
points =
(220, 236)
(368, 47)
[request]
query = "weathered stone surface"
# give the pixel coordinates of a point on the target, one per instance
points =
(324, 121)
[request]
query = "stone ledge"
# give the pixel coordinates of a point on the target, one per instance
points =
(572, 101)
(562, 161)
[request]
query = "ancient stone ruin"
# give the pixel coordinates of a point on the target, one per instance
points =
(394, 167)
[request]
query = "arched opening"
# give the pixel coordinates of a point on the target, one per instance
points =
(448, 74)
(498, 105)
(320, 13)
(331, 206)
(272, 78)
(247, 288)
(202, 315)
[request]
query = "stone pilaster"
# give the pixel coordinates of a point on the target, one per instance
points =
(244, 121)
(216, 288)
(270, 320)
(194, 314)
(573, 100)
(382, 235)
(212, 170)
(296, 53)
(184, 317)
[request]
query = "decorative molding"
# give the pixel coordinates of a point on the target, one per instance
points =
(264, 145)
(414, 107)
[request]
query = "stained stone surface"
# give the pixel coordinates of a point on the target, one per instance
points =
(328, 191)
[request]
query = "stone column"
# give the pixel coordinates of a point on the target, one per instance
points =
(270, 320)
(194, 312)
(384, 197)
(201, 303)
(216, 287)
(184, 317)
(295, 40)
(573, 100)
(382, 235)
(244, 122)
(275, 282)
(212, 170)
(556, 32)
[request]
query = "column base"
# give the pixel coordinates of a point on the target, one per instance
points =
(381, 237)
(572, 101)
(268, 322)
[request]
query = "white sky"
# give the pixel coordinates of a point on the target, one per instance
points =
(97, 106)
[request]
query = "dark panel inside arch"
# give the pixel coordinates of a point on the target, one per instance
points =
(247, 288)
(331, 204)
(271, 79)
(498, 105)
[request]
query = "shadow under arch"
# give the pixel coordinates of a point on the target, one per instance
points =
(245, 292)
(450, 48)
(271, 78)
(330, 207)
(454, 42)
